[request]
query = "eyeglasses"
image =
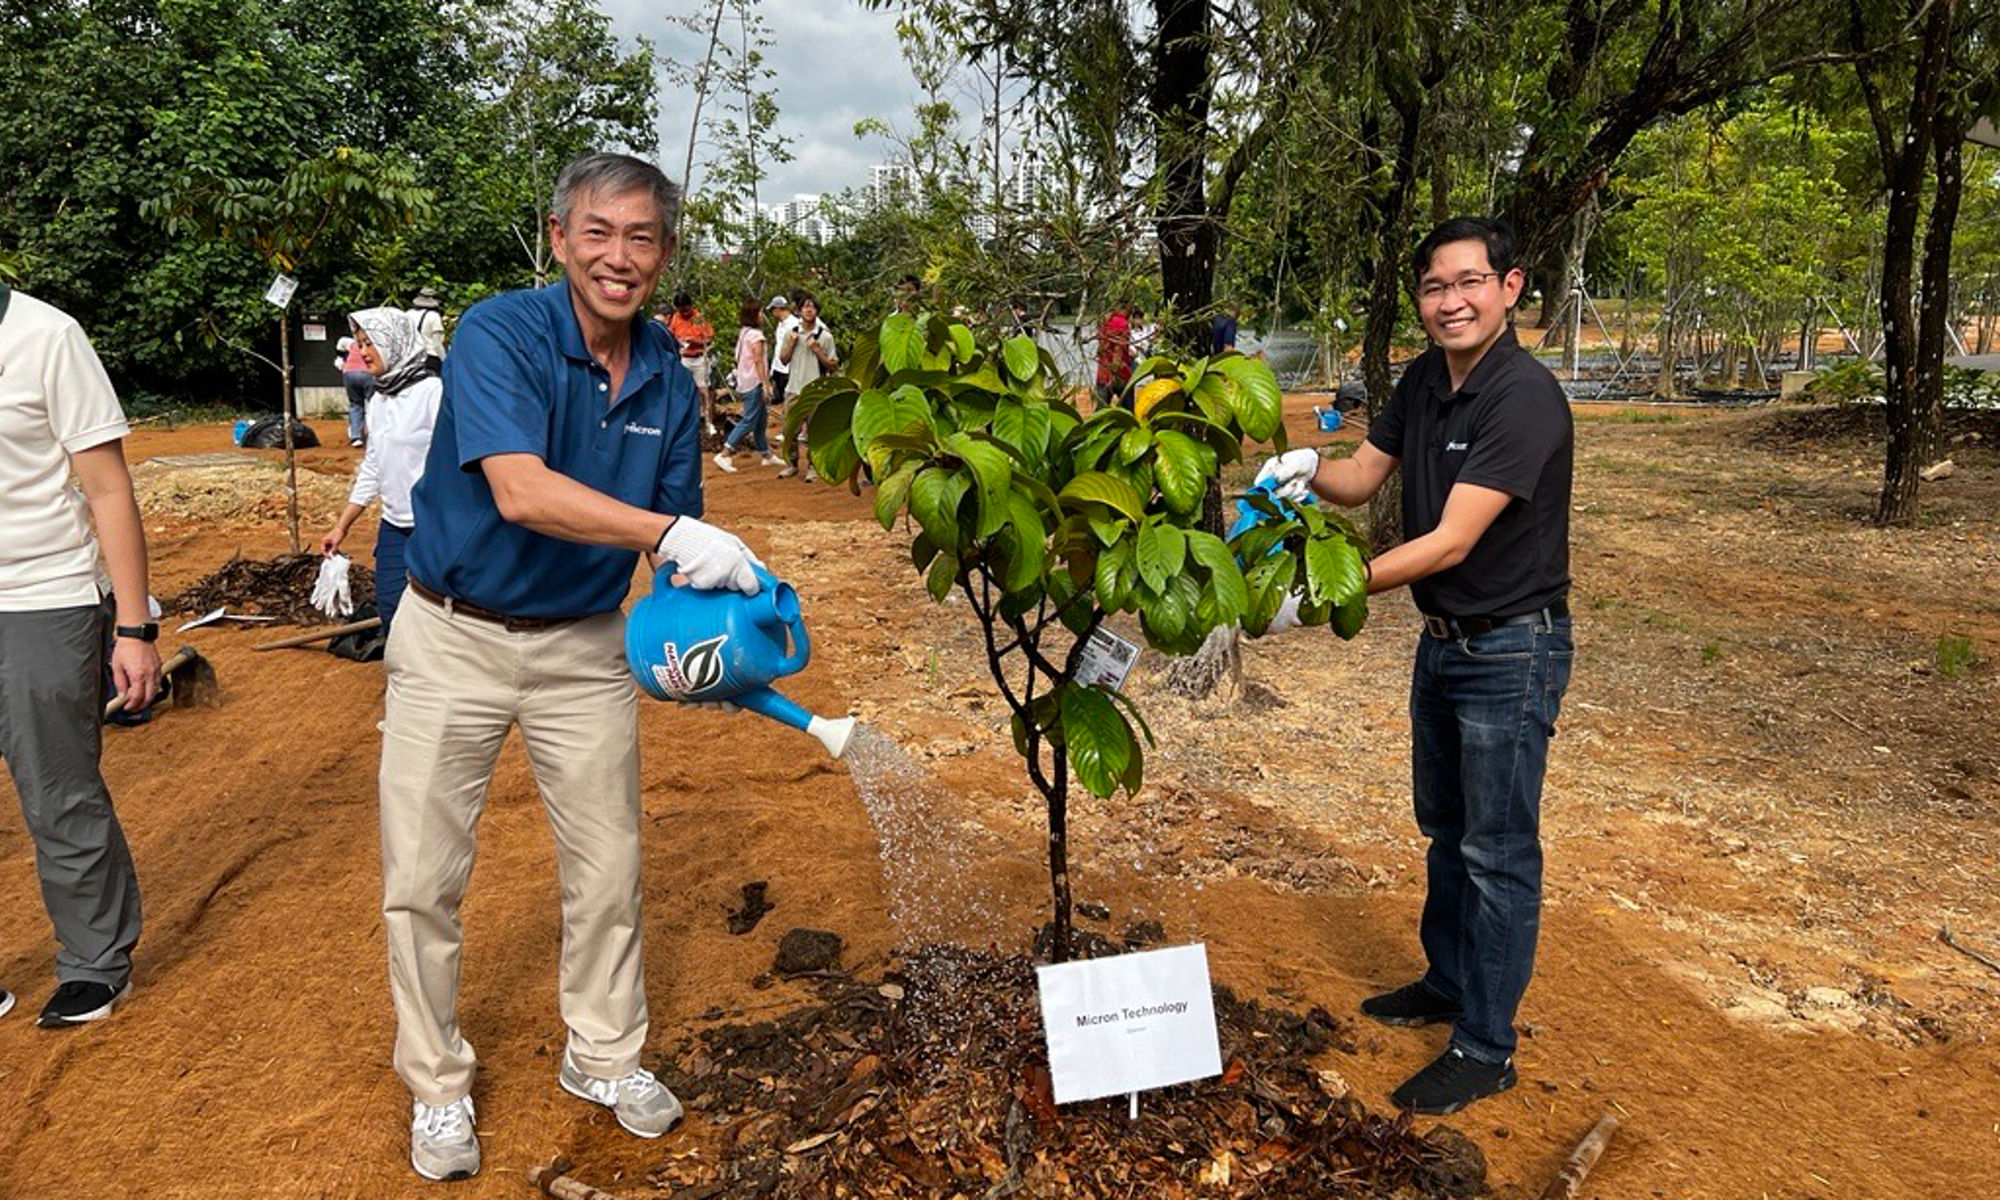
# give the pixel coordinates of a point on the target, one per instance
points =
(1462, 287)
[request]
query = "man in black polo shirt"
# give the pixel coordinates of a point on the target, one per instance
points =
(1482, 433)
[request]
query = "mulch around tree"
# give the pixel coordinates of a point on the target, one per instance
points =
(275, 587)
(935, 1083)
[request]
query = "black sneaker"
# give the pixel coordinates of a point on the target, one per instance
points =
(1452, 1082)
(80, 1001)
(6, 1002)
(1412, 1004)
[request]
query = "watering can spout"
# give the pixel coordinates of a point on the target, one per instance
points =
(832, 733)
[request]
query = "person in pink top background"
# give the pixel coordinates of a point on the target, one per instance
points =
(360, 383)
(752, 379)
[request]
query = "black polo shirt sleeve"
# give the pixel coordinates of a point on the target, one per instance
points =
(500, 395)
(1518, 428)
(1387, 427)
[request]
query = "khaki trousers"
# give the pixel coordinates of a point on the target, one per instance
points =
(456, 685)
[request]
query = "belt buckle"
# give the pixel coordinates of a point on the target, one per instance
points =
(1439, 627)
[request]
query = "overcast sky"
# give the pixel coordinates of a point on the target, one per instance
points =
(836, 62)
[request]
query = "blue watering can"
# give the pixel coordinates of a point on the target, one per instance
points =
(1246, 516)
(683, 643)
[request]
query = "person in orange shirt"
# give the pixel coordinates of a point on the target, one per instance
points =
(696, 337)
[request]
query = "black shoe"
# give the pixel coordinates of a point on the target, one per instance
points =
(1452, 1082)
(1412, 1004)
(6, 1002)
(80, 1001)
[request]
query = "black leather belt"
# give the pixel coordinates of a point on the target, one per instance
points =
(1456, 628)
(465, 608)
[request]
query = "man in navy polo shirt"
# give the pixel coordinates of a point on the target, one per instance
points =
(566, 445)
(1482, 433)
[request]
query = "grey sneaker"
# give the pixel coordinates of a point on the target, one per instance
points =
(442, 1142)
(642, 1104)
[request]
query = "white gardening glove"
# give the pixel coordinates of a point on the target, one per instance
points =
(710, 558)
(330, 593)
(1290, 474)
(1287, 616)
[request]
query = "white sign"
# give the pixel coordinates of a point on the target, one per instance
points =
(1107, 659)
(1124, 1024)
(281, 289)
(312, 333)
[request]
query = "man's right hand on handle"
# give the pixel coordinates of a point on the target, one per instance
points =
(708, 557)
(1290, 474)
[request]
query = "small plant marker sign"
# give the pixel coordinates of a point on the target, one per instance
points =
(1127, 1023)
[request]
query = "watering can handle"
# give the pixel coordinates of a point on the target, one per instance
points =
(796, 627)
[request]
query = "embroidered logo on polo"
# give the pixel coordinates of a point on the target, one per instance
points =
(686, 676)
(642, 430)
(1449, 447)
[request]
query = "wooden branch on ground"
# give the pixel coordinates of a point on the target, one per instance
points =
(1577, 1167)
(554, 1183)
(323, 635)
(1945, 935)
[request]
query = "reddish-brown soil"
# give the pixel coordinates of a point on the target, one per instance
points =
(1773, 786)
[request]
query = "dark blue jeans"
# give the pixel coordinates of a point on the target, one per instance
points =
(1482, 711)
(751, 424)
(390, 578)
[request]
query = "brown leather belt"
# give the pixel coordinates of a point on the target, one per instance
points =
(465, 608)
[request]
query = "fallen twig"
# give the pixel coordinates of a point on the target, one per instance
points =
(1945, 936)
(553, 1182)
(1577, 1167)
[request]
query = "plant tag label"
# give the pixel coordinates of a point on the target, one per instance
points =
(1107, 659)
(1125, 1024)
(281, 289)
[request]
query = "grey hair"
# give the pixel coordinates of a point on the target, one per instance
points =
(615, 175)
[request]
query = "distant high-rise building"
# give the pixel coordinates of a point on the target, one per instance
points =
(893, 183)
(1032, 183)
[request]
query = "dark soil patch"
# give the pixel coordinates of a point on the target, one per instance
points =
(1866, 423)
(276, 587)
(935, 1084)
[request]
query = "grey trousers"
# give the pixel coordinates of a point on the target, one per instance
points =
(51, 679)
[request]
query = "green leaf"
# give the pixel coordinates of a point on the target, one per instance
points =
(877, 413)
(1216, 398)
(943, 573)
(934, 501)
(1027, 538)
(962, 343)
(993, 470)
(862, 364)
(1114, 574)
(1160, 552)
(1182, 470)
(830, 439)
(1165, 616)
(1098, 740)
(1225, 578)
(1133, 446)
(1096, 487)
(1260, 405)
(1026, 427)
(1132, 710)
(1074, 610)
(1022, 357)
(902, 343)
(1333, 570)
(894, 490)
(922, 551)
(1270, 581)
(1350, 617)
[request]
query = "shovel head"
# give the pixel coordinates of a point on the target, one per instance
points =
(191, 679)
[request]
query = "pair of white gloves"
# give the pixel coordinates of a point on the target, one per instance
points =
(710, 559)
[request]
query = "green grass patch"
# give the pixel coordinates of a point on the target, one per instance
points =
(1954, 655)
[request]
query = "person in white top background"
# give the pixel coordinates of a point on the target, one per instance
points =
(58, 414)
(400, 416)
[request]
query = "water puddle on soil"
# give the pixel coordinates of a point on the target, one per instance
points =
(931, 858)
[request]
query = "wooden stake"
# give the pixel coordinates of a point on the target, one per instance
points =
(554, 1183)
(1564, 1186)
(322, 635)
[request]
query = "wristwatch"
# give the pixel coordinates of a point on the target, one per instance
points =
(149, 632)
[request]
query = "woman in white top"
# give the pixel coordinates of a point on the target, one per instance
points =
(400, 416)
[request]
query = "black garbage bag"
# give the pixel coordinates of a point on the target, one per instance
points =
(268, 433)
(363, 645)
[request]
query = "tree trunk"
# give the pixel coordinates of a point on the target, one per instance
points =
(1058, 802)
(290, 406)
(1913, 398)
(1219, 662)
(1188, 237)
